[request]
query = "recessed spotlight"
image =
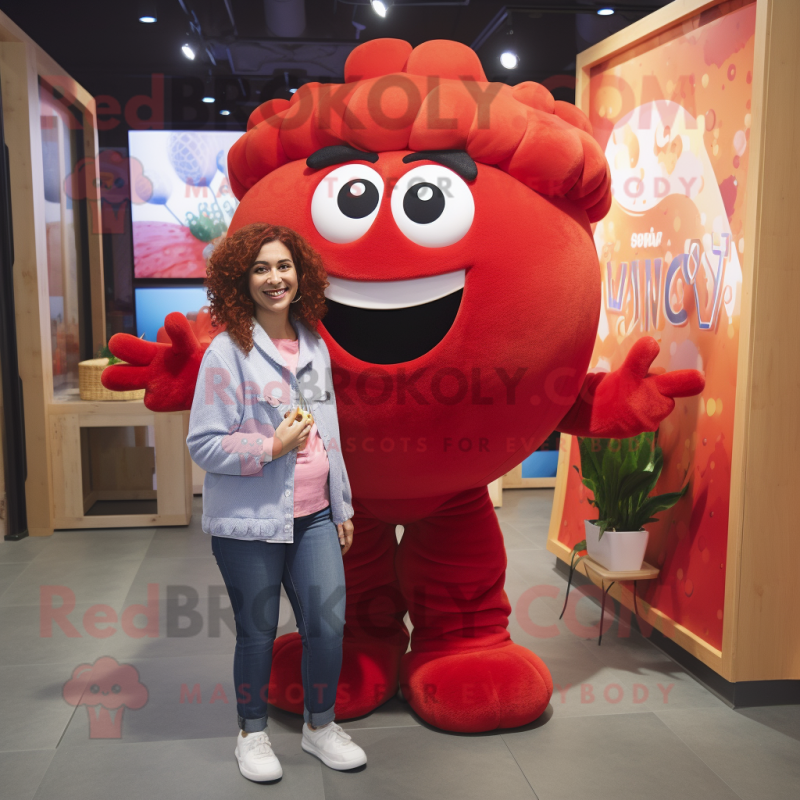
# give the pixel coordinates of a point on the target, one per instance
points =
(292, 91)
(509, 60)
(188, 52)
(208, 99)
(605, 12)
(148, 11)
(380, 7)
(225, 113)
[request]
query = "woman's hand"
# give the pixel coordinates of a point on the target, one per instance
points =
(291, 433)
(345, 534)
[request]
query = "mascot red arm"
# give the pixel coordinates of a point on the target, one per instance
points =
(453, 216)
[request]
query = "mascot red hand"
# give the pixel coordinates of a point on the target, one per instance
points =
(629, 400)
(454, 218)
(167, 373)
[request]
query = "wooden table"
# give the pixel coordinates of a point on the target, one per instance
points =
(118, 450)
(646, 573)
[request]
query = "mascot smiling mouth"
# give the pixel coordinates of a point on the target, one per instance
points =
(391, 322)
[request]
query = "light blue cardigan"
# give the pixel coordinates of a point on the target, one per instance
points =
(238, 403)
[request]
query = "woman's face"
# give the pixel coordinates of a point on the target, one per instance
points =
(273, 278)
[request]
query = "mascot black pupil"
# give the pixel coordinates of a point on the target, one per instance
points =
(358, 199)
(423, 203)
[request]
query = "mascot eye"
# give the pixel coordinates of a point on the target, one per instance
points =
(433, 206)
(346, 202)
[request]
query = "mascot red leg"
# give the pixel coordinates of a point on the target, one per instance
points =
(463, 672)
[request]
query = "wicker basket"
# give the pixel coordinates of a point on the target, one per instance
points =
(91, 388)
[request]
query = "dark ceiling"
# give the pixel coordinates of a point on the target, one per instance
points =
(103, 45)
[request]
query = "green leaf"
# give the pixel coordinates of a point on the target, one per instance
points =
(631, 451)
(658, 503)
(638, 483)
(590, 468)
(612, 462)
(104, 352)
(646, 450)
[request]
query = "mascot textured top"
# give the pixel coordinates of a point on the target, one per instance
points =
(453, 217)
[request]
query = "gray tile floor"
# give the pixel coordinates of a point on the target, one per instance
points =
(625, 720)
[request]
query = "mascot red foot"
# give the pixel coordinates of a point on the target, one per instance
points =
(453, 217)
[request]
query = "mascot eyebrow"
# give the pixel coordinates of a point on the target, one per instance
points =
(457, 160)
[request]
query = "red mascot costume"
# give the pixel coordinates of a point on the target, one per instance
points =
(453, 216)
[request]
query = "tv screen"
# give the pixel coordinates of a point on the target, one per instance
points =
(180, 199)
(154, 303)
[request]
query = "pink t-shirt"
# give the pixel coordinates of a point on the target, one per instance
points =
(311, 492)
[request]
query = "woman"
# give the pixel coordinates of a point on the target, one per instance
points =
(276, 498)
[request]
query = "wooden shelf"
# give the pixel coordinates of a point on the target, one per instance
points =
(101, 451)
(646, 573)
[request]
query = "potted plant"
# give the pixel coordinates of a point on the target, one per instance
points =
(621, 473)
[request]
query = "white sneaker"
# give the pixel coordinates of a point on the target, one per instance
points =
(331, 745)
(256, 760)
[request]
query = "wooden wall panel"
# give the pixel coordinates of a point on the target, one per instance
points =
(767, 638)
(23, 137)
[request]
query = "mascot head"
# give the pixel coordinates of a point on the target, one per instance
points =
(453, 217)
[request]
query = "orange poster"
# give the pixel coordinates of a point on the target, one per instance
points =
(674, 116)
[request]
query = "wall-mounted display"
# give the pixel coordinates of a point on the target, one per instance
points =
(180, 199)
(154, 303)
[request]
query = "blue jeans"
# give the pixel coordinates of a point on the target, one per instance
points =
(312, 573)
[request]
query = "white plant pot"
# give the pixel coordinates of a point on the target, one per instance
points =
(619, 551)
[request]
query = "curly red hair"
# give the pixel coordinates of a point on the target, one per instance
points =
(431, 97)
(228, 280)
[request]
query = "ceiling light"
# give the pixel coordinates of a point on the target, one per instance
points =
(605, 12)
(209, 90)
(147, 11)
(509, 60)
(224, 112)
(188, 52)
(380, 7)
(292, 91)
